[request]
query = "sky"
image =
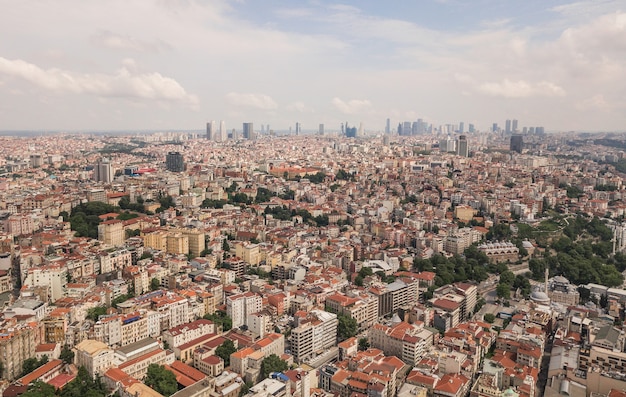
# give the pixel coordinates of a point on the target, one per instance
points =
(85, 65)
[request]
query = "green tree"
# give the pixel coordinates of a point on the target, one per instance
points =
(29, 365)
(489, 317)
(220, 318)
(155, 284)
(347, 327)
(40, 389)
(507, 277)
(272, 363)
(95, 312)
(161, 380)
(225, 246)
(225, 350)
(503, 291)
(67, 355)
(364, 344)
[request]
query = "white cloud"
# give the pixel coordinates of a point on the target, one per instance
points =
(352, 106)
(123, 83)
(596, 102)
(299, 106)
(111, 40)
(521, 89)
(256, 101)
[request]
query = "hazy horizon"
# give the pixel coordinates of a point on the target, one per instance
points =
(155, 65)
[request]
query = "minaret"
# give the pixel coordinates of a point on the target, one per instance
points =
(546, 282)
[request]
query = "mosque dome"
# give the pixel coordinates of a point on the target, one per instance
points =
(539, 296)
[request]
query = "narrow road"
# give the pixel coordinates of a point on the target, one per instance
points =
(545, 365)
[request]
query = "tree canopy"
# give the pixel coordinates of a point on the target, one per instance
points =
(347, 327)
(272, 363)
(161, 380)
(220, 318)
(225, 350)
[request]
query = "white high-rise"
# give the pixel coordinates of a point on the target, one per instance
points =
(223, 134)
(211, 131)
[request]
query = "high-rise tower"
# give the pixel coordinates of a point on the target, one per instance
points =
(210, 130)
(248, 131)
(103, 171)
(174, 162)
(462, 147)
(223, 133)
(517, 143)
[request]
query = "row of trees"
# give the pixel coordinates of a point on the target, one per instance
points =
(82, 386)
(220, 318)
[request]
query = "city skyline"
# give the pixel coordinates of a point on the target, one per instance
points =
(176, 65)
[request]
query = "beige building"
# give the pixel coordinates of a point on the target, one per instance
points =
(362, 308)
(409, 342)
(112, 232)
(177, 243)
(16, 346)
(95, 356)
(155, 239)
(248, 252)
(196, 241)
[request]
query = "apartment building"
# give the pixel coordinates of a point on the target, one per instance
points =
(409, 342)
(16, 345)
(112, 232)
(184, 333)
(173, 309)
(314, 335)
(363, 308)
(239, 307)
(403, 292)
(52, 276)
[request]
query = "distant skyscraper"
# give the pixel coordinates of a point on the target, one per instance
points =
(388, 127)
(494, 127)
(223, 136)
(210, 130)
(174, 162)
(507, 127)
(407, 128)
(103, 171)
(461, 127)
(471, 128)
(248, 131)
(514, 126)
(361, 132)
(517, 143)
(400, 132)
(298, 128)
(321, 129)
(350, 131)
(462, 147)
(415, 128)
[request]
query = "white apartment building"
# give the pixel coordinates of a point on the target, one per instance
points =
(239, 307)
(53, 276)
(182, 334)
(316, 333)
